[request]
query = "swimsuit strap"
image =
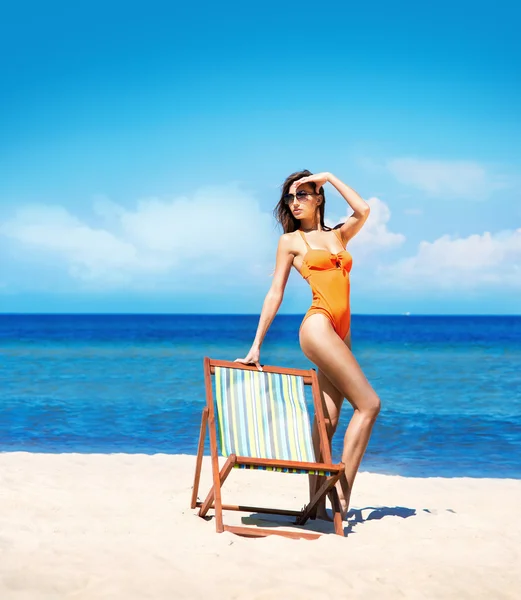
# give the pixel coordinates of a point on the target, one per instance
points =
(339, 236)
(304, 238)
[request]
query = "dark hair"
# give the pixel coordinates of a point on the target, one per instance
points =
(282, 211)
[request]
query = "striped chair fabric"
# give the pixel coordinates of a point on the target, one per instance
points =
(263, 415)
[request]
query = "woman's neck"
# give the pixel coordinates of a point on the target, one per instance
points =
(310, 225)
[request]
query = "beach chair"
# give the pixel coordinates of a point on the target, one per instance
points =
(264, 424)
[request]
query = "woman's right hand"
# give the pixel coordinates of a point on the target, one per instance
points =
(252, 357)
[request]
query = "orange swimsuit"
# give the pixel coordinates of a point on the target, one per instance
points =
(328, 276)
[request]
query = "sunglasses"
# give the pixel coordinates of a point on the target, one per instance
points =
(301, 196)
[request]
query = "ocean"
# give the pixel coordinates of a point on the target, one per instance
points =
(450, 385)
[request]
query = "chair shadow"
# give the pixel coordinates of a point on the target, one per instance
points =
(354, 517)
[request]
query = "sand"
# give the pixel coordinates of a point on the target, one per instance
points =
(119, 526)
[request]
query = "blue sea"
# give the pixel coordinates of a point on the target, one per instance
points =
(450, 386)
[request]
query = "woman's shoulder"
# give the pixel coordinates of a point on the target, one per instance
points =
(289, 242)
(289, 238)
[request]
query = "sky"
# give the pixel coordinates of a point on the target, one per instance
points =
(143, 146)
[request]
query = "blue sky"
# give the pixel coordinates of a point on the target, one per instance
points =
(143, 145)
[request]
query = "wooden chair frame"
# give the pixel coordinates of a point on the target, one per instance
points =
(213, 498)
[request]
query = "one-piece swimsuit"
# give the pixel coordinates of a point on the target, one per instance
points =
(328, 275)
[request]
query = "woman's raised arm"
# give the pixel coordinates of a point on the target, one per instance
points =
(273, 299)
(360, 207)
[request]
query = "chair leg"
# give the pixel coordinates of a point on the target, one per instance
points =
(322, 491)
(315, 482)
(337, 512)
(225, 471)
(199, 461)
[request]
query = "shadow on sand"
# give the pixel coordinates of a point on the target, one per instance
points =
(355, 517)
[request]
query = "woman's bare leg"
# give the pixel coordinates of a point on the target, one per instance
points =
(330, 354)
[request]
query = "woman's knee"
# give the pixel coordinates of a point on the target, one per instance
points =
(371, 407)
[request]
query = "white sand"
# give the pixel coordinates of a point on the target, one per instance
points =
(120, 526)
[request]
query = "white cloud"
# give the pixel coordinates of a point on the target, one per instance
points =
(456, 263)
(220, 237)
(374, 235)
(221, 230)
(89, 251)
(447, 179)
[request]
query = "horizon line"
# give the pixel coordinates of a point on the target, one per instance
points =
(199, 314)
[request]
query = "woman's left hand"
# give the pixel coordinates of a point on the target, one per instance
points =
(319, 179)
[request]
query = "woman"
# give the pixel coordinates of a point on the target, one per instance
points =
(318, 253)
